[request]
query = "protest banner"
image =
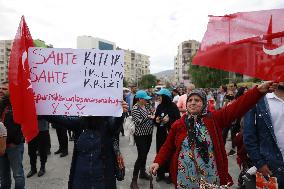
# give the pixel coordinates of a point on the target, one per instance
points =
(77, 81)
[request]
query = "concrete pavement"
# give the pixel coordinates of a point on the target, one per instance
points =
(57, 169)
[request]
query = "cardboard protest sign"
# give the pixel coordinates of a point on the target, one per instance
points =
(77, 81)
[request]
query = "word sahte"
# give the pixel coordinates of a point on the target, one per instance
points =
(57, 58)
(48, 76)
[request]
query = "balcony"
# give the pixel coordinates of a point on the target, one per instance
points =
(186, 45)
(186, 51)
(185, 77)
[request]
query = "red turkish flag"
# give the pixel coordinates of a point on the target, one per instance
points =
(21, 92)
(249, 43)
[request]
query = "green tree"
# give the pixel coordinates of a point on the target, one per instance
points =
(254, 80)
(41, 43)
(207, 77)
(147, 81)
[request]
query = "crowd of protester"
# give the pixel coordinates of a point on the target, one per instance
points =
(191, 129)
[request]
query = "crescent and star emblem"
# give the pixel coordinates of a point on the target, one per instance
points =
(24, 57)
(273, 52)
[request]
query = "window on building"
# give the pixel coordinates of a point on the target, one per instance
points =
(105, 46)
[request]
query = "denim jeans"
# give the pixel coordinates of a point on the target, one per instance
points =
(13, 159)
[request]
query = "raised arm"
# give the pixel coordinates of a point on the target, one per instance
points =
(237, 108)
(243, 104)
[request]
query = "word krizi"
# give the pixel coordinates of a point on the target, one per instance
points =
(67, 107)
(100, 79)
(100, 70)
(59, 98)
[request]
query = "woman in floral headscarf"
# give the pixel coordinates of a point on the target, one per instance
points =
(195, 143)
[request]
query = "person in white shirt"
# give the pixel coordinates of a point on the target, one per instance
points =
(175, 95)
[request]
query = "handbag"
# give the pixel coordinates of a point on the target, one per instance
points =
(119, 172)
(129, 129)
(263, 183)
(128, 126)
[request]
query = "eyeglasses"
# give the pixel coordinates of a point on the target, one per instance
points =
(3, 88)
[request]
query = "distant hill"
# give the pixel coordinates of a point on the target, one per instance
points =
(167, 75)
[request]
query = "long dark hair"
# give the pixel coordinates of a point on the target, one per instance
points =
(4, 102)
(240, 92)
(166, 99)
(97, 122)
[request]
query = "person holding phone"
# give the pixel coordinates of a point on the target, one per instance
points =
(166, 114)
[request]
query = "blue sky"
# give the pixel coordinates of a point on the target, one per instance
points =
(152, 27)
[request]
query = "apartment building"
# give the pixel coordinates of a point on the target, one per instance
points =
(5, 50)
(185, 52)
(135, 65)
(89, 42)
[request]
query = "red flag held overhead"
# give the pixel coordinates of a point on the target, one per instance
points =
(249, 43)
(21, 92)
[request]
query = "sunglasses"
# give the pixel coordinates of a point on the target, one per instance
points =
(3, 88)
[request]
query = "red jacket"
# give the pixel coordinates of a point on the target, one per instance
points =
(211, 105)
(214, 122)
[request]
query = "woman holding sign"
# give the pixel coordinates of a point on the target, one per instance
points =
(96, 155)
(195, 144)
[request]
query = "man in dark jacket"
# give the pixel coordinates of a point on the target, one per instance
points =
(264, 134)
(13, 158)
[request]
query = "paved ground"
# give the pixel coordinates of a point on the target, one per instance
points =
(57, 169)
